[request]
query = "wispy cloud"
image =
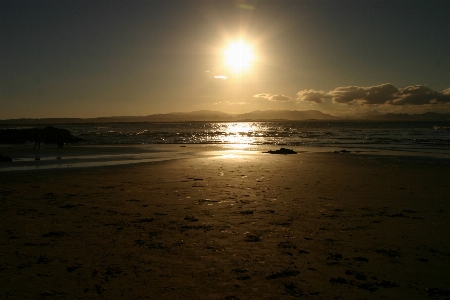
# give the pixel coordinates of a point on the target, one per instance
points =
(262, 95)
(279, 98)
(231, 103)
(221, 77)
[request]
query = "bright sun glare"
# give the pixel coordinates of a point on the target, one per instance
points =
(239, 56)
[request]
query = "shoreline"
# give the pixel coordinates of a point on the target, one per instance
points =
(85, 156)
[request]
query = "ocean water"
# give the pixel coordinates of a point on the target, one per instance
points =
(417, 137)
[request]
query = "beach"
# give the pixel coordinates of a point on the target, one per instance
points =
(229, 225)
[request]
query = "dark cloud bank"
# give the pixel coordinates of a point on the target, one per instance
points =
(380, 94)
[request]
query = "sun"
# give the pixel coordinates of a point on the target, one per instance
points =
(239, 56)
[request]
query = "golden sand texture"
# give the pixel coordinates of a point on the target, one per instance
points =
(259, 226)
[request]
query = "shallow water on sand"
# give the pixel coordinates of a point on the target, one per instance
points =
(80, 156)
(83, 156)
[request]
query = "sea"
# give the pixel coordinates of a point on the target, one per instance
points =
(427, 137)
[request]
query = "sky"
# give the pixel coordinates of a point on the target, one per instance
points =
(74, 58)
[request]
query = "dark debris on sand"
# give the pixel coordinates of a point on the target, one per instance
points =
(283, 274)
(253, 238)
(436, 293)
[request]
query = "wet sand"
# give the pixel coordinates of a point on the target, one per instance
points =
(229, 226)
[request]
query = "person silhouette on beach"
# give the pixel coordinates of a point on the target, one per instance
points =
(37, 139)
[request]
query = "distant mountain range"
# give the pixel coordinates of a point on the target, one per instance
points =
(218, 116)
(428, 116)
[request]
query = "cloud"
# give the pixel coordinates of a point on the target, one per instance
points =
(421, 95)
(311, 96)
(221, 77)
(231, 103)
(236, 103)
(262, 95)
(386, 94)
(281, 98)
(378, 94)
(278, 98)
(416, 95)
(348, 94)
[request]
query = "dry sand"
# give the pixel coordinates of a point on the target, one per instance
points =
(256, 226)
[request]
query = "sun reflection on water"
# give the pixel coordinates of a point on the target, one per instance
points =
(238, 135)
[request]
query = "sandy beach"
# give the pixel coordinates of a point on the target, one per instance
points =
(234, 225)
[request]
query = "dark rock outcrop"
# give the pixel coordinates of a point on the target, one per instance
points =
(342, 151)
(281, 151)
(48, 135)
(5, 158)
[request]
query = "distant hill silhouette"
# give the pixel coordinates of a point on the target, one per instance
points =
(195, 116)
(428, 116)
(290, 115)
(218, 116)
